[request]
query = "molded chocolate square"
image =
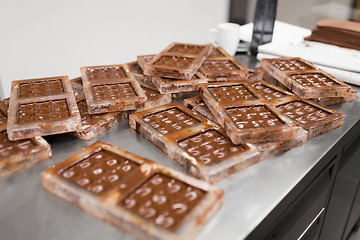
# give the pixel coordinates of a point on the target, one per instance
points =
(314, 118)
(200, 148)
(304, 79)
(178, 60)
(244, 116)
(111, 88)
(135, 194)
(220, 66)
(42, 106)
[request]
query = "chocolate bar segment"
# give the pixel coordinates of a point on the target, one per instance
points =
(314, 118)
(304, 79)
(220, 66)
(111, 88)
(41, 107)
(178, 60)
(248, 120)
(201, 147)
(137, 195)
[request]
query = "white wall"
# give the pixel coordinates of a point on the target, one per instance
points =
(40, 38)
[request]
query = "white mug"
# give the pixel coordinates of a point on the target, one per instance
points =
(227, 36)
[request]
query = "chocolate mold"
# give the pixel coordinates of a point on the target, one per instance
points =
(34, 111)
(314, 118)
(196, 143)
(135, 194)
(247, 119)
(95, 124)
(178, 60)
(220, 66)
(110, 88)
(304, 79)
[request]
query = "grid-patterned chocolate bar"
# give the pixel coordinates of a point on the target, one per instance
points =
(220, 66)
(326, 101)
(198, 105)
(202, 149)
(314, 118)
(178, 60)
(41, 107)
(135, 194)
(18, 155)
(111, 88)
(304, 79)
(243, 110)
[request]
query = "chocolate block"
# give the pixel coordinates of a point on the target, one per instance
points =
(314, 118)
(137, 195)
(41, 107)
(245, 115)
(200, 148)
(143, 59)
(95, 124)
(178, 60)
(326, 101)
(304, 79)
(220, 66)
(21, 154)
(111, 88)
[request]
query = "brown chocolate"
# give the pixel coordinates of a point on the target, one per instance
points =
(111, 88)
(41, 107)
(232, 93)
(314, 118)
(133, 193)
(178, 60)
(100, 172)
(163, 200)
(304, 79)
(199, 146)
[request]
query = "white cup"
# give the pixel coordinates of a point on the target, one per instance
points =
(227, 36)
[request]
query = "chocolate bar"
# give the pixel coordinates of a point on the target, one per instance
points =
(267, 149)
(326, 101)
(18, 155)
(135, 194)
(178, 60)
(170, 85)
(220, 66)
(246, 113)
(304, 79)
(111, 88)
(314, 118)
(95, 124)
(197, 144)
(41, 107)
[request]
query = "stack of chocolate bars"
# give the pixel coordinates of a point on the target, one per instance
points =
(235, 118)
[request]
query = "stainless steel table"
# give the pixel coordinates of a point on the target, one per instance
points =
(27, 211)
